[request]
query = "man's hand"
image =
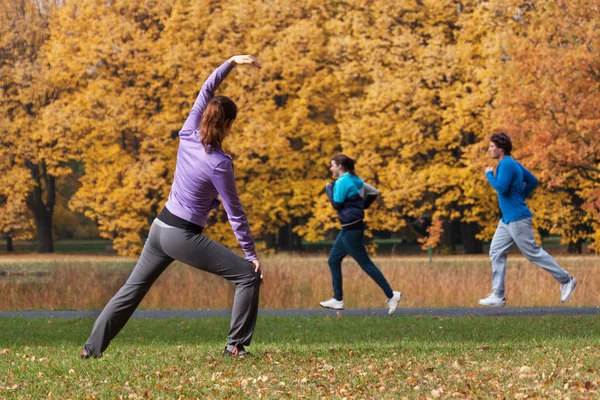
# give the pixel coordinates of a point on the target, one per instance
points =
(489, 169)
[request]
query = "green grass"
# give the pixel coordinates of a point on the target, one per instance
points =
(71, 246)
(412, 357)
(384, 246)
(12, 265)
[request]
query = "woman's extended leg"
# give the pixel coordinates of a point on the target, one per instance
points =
(152, 262)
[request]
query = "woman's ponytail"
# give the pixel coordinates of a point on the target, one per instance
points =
(219, 112)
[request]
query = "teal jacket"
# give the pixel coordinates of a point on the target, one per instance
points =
(350, 196)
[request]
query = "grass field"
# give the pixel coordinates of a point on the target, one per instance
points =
(392, 246)
(371, 357)
(291, 281)
(349, 357)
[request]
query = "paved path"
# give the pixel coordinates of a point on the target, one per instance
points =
(431, 312)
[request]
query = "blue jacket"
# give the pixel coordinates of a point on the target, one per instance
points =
(350, 196)
(514, 183)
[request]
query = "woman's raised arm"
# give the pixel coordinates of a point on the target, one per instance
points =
(209, 87)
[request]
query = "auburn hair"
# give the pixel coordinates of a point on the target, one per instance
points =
(219, 112)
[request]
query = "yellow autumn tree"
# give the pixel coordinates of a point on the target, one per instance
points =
(135, 73)
(105, 51)
(33, 157)
(550, 104)
(15, 219)
(286, 130)
(419, 95)
(406, 88)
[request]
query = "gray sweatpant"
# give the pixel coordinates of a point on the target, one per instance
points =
(521, 233)
(164, 245)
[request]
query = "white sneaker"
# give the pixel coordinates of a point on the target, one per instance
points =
(393, 302)
(333, 304)
(493, 300)
(567, 289)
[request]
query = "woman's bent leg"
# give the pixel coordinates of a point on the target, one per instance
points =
(205, 254)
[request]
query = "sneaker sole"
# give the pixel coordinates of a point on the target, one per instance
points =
(497, 305)
(572, 291)
(331, 308)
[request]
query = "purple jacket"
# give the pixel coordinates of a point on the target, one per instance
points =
(202, 174)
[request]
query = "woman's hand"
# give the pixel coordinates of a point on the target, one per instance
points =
(244, 59)
(257, 269)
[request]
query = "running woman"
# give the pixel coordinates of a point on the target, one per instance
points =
(350, 196)
(514, 183)
(203, 172)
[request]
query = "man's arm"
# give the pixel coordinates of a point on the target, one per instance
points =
(501, 182)
(530, 182)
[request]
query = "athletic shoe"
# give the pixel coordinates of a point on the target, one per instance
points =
(493, 300)
(84, 354)
(567, 289)
(393, 302)
(333, 304)
(238, 351)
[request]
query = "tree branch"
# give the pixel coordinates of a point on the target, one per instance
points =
(594, 73)
(50, 182)
(34, 200)
(554, 118)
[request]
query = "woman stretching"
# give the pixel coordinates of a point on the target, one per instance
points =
(203, 171)
(350, 196)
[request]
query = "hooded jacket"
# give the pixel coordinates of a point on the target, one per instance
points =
(350, 196)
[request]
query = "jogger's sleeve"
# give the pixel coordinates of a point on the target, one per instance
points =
(501, 182)
(370, 195)
(329, 190)
(530, 182)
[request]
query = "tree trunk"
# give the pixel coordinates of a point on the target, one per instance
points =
(450, 235)
(270, 241)
(43, 224)
(288, 239)
(575, 247)
(41, 203)
(9, 243)
(471, 243)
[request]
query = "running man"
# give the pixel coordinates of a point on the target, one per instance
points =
(514, 184)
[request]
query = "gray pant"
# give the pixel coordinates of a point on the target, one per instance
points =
(521, 233)
(164, 245)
